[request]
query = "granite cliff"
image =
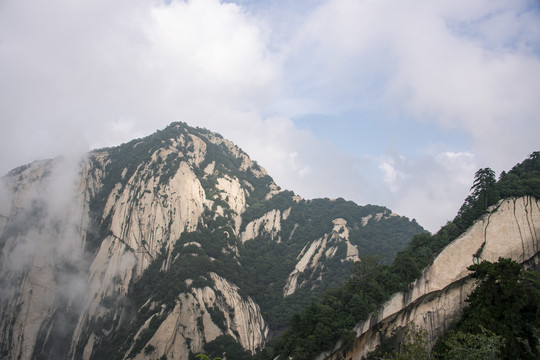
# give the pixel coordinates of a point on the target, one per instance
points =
(166, 245)
(511, 229)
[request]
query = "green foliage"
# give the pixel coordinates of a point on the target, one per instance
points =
(484, 193)
(523, 179)
(506, 302)
(225, 346)
(149, 349)
(206, 357)
(271, 262)
(265, 264)
(281, 201)
(423, 248)
(484, 189)
(485, 345)
(171, 166)
(145, 336)
(192, 262)
(385, 238)
(324, 322)
(260, 267)
(218, 318)
(415, 345)
(192, 255)
(229, 164)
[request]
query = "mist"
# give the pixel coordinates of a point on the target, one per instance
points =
(44, 264)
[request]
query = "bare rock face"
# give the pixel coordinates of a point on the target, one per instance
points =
(435, 300)
(232, 192)
(327, 246)
(193, 321)
(269, 223)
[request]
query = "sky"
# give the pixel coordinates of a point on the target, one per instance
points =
(393, 103)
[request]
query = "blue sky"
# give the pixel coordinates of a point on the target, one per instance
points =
(377, 101)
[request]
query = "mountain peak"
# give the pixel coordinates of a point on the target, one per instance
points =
(169, 245)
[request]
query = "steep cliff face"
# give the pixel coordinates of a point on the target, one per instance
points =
(511, 230)
(322, 248)
(163, 245)
(202, 315)
(269, 223)
(80, 233)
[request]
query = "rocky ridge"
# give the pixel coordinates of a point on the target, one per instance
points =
(511, 229)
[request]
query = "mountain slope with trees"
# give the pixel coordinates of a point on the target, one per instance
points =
(331, 320)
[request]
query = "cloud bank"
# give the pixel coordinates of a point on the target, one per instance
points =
(430, 91)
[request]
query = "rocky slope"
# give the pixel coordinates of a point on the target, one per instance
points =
(511, 230)
(164, 245)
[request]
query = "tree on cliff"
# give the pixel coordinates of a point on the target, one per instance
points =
(483, 189)
(502, 320)
(466, 346)
(484, 193)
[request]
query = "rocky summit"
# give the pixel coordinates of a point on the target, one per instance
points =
(170, 246)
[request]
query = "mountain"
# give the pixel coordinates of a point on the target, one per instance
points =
(169, 246)
(435, 301)
(429, 284)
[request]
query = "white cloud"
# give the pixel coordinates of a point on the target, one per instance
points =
(96, 73)
(101, 74)
(459, 82)
(391, 176)
(458, 65)
(430, 187)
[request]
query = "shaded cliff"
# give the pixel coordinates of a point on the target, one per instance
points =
(162, 246)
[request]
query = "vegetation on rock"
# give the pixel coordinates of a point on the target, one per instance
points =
(330, 319)
(501, 320)
(312, 301)
(259, 266)
(506, 302)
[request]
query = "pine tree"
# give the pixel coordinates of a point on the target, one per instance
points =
(483, 189)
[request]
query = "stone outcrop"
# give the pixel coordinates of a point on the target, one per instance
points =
(44, 231)
(327, 246)
(510, 230)
(232, 192)
(269, 223)
(191, 324)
